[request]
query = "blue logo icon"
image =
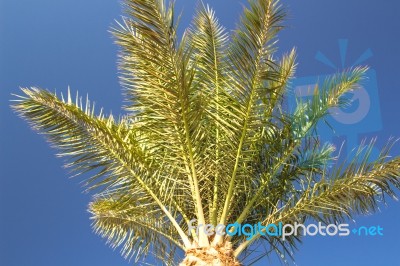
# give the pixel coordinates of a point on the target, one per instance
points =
(362, 116)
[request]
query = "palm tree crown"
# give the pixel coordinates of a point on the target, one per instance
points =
(207, 136)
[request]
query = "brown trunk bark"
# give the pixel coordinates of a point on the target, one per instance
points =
(210, 256)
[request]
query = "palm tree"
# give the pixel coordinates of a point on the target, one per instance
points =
(207, 137)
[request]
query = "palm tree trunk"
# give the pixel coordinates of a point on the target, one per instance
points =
(210, 256)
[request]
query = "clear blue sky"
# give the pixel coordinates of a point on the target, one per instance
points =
(53, 44)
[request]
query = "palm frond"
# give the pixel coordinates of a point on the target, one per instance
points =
(249, 55)
(159, 70)
(285, 142)
(136, 225)
(207, 45)
(350, 188)
(309, 113)
(97, 144)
